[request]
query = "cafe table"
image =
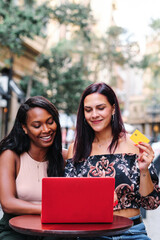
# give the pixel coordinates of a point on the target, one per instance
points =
(31, 225)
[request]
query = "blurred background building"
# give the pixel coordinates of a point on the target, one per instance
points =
(140, 105)
(85, 41)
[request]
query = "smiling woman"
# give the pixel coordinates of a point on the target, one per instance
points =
(103, 148)
(31, 151)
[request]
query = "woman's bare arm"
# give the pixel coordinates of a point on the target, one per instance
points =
(8, 197)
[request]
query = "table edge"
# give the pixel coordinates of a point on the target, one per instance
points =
(71, 233)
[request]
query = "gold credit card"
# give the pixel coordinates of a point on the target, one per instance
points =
(137, 137)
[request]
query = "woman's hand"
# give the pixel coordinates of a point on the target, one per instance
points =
(115, 199)
(146, 155)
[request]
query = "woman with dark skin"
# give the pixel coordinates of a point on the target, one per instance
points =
(31, 151)
(102, 148)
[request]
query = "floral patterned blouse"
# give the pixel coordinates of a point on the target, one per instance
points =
(124, 168)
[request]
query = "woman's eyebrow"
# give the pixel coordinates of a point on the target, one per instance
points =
(50, 118)
(102, 104)
(38, 121)
(98, 105)
(87, 107)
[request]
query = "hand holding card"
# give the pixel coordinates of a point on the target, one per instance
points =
(137, 137)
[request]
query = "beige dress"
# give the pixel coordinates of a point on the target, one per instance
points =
(29, 179)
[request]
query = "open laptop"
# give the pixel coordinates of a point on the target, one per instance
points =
(77, 200)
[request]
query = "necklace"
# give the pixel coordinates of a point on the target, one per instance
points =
(38, 175)
(38, 164)
(106, 143)
(43, 160)
(102, 144)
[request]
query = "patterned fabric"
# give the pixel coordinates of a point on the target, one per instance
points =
(124, 168)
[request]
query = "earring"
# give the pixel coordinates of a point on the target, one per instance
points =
(25, 131)
(113, 118)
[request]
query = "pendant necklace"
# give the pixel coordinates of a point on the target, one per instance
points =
(37, 165)
(100, 145)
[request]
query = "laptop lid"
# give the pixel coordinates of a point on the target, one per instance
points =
(77, 200)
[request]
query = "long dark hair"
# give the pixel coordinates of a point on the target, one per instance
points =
(19, 142)
(85, 134)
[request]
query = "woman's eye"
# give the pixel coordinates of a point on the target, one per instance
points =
(101, 108)
(37, 126)
(87, 110)
(51, 122)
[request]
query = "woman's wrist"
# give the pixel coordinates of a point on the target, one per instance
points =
(144, 172)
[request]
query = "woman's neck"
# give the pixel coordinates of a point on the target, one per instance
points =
(102, 138)
(38, 154)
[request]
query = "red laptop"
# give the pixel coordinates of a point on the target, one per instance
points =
(77, 200)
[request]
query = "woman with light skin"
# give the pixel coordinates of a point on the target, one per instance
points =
(102, 148)
(31, 151)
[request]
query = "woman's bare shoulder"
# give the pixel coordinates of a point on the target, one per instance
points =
(8, 154)
(70, 151)
(64, 153)
(127, 145)
(9, 164)
(8, 158)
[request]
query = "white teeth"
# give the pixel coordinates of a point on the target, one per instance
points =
(46, 137)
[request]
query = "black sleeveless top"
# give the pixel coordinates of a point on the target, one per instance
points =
(124, 168)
